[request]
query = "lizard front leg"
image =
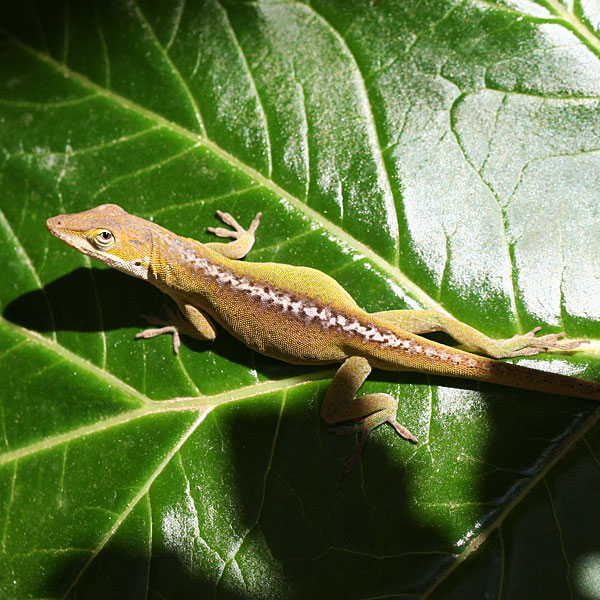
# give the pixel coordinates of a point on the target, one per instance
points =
(192, 322)
(371, 410)
(244, 239)
(527, 344)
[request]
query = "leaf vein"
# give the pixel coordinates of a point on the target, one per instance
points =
(203, 201)
(9, 505)
(94, 148)
(261, 110)
(372, 131)
(46, 105)
(580, 29)
(560, 536)
(178, 12)
(174, 70)
(498, 202)
(134, 501)
(145, 169)
(104, 48)
(26, 260)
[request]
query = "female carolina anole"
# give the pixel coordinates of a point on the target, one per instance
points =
(303, 316)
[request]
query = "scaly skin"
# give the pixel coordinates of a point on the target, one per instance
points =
(301, 315)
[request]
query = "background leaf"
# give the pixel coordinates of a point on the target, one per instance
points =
(439, 155)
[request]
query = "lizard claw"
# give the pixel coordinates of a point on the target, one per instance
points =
(238, 231)
(150, 333)
(255, 223)
(403, 432)
(348, 466)
(553, 340)
(162, 326)
(529, 345)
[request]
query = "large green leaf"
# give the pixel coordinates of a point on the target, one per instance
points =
(438, 154)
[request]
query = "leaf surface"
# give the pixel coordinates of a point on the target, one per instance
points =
(439, 155)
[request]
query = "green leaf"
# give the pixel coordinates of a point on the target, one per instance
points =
(441, 155)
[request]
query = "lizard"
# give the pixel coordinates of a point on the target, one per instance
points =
(303, 316)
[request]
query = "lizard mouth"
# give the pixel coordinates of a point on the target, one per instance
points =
(57, 227)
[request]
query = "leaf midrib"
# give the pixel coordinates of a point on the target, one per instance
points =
(148, 406)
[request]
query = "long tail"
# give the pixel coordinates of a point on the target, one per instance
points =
(511, 375)
(416, 353)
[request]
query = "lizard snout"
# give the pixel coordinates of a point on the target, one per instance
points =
(54, 223)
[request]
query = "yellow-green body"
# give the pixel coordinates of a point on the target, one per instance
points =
(301, 315)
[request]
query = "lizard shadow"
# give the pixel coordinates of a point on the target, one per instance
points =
(101, 300)
(325, 533)
(85, 300)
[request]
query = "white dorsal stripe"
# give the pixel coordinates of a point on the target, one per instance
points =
(324, 316)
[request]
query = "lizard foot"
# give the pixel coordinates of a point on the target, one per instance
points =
(403, 432)
(170, 325)
(365, 426)
(239, 231)
(351, 462)
(528, 344)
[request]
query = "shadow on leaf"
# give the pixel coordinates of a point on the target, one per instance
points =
(96, 300)
(265, 518)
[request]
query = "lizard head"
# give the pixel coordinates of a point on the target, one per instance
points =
(110, 235)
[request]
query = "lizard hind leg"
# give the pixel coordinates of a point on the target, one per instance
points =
(370, 410)
(527, 344)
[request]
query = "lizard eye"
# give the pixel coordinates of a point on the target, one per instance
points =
(104, 239)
